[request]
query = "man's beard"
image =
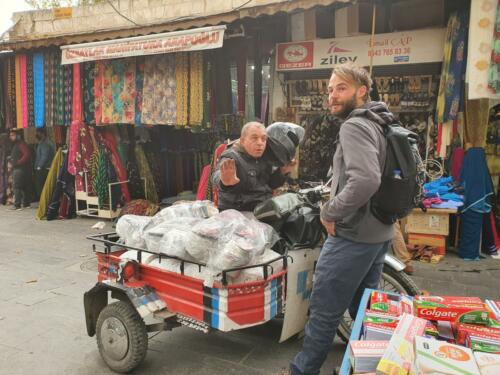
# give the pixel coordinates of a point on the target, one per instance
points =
(347, 107)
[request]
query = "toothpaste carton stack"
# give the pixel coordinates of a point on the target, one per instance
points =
(365, 355)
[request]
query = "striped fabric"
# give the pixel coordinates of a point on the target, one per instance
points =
(19, 105)
(39, 89)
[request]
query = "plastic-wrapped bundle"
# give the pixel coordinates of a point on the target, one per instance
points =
(257, 273)
(173, 243)
(153, 234)
(199, 209)
(130, 229)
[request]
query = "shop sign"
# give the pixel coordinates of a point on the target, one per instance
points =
(409, 47)
(62, 13)
(177, 41)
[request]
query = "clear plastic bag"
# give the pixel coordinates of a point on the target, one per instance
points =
(257, 273)
(198, 209)
(130, 229)
(154, 234)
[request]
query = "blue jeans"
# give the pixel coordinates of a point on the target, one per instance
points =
(343, 271)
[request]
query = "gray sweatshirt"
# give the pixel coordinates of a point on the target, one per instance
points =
(357, 168)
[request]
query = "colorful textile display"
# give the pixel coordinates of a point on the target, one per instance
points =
(77, 103)
(9, 92)
(139, 82)
(123, 89)
(24, 90)
(80, 150)
(494, 71)
(196, 88)
(159, 100)
(107, 93)
(88, 92)
(182, 82)
(98, 91)
(62, 204)
(30, 91)
(68, 94)
(19, 105)
(39, 89)
(457, 161)
(450, 97)
(50, 72)
(483, 15)
(59, 112)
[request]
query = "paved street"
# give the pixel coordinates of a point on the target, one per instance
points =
(45, 267)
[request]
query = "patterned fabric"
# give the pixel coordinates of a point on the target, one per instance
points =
(39, 89)
(68, 94)
(100, 176)
(139, 207)
(98, 92)
(182, 83)
(107, 93)
(145, 173)
(19, 102)
(30, 91)
(50, 87)
(77, 94)
(50, 184)
(196, 81)
(24, 90)
(59, 118)
(80, 148)
(10, 93)
(139, 81)
(450, 99)
(159, 104)
(123, 87)
(494, 72)
(88, 92)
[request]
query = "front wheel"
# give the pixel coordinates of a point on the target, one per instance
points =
(391, 281)
(122, 338)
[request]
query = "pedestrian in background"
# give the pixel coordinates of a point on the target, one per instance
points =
(20, 158)
(45, 152)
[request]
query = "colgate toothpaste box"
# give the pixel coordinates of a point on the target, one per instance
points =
(384, 302)
(381, 318)
(465, 330)
(460, 309)
(377, 332)
(365, 355)
(494, 306)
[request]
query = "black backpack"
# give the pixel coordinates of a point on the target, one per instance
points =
(402, 178)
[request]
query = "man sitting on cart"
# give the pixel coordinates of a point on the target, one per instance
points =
(248, 172)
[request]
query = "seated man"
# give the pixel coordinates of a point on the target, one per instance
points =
(246, 175)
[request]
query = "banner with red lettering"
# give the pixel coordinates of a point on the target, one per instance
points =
(408, 47)
(177, 41)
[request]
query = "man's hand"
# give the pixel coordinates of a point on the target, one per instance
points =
(228, 173)
(288, 168)
(330, 227)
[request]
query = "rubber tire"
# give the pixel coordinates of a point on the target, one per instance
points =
(137, 334)
(406, 285)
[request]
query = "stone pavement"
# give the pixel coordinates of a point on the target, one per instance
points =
(45, 267)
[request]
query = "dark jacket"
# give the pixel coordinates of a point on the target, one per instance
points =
(357, 169)
(45, 152)
(20, 155)
(257, 181)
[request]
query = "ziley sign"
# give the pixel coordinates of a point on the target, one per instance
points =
(409, 47)
(177, 41)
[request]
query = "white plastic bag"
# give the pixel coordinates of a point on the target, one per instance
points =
(198, 209)
(257, 273)
(154, 234)
(130, 229)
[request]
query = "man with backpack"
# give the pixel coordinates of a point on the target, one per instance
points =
(352, 257)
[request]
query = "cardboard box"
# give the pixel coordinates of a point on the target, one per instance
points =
(438, 357)
(380, 318)
(399, 355)
(489, 364)
(377, 332)
(365, 355)
(392, 304)
(451, 309)
(462, 331)
(430, 222)
(481, 344)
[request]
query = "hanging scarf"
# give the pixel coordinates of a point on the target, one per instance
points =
(68, 94)
(30, 91)
(182, 83)
(10, 92)
(196, 88)
(49, 86)
(24, 90)
(109, 140)
(59, 120)
(107, 93)
(98, 91)
(19, 105)
(139, 82)
(123, 91)
(159, 100)
(39, 89)
(145, 173)
(80, 148)
(88, 92)
(77, 94)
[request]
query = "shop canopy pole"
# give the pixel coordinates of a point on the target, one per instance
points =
(372, 36)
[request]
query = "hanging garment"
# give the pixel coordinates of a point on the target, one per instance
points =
(63, 195)
(450, 97)
(123, 91)
(50, 87)
(490, 240)
(30, 91)
(444, 138)
(80, 150)
(182, 82)
(39, 89)
(196, 80)
(7, 93)
(107, 93)
(98, 91)
(11, 93)
(139, 82)
(50, 184)
(59, 117)
(135, 184)
(88, 92)
(457, 161)
(68, 94)
(108, 140)
(471, 223)
(24, 90)
(145, 173)
(476, 181)
(19, 102)
(159, 100)
(77, 104)
(99, 175)
(494, 71)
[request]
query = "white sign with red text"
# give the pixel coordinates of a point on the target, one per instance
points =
(408, 47)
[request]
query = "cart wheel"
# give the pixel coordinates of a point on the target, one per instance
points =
(122, 338)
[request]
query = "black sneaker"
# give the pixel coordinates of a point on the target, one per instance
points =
(14, 208)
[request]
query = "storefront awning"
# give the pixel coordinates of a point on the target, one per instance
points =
(176, 41)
